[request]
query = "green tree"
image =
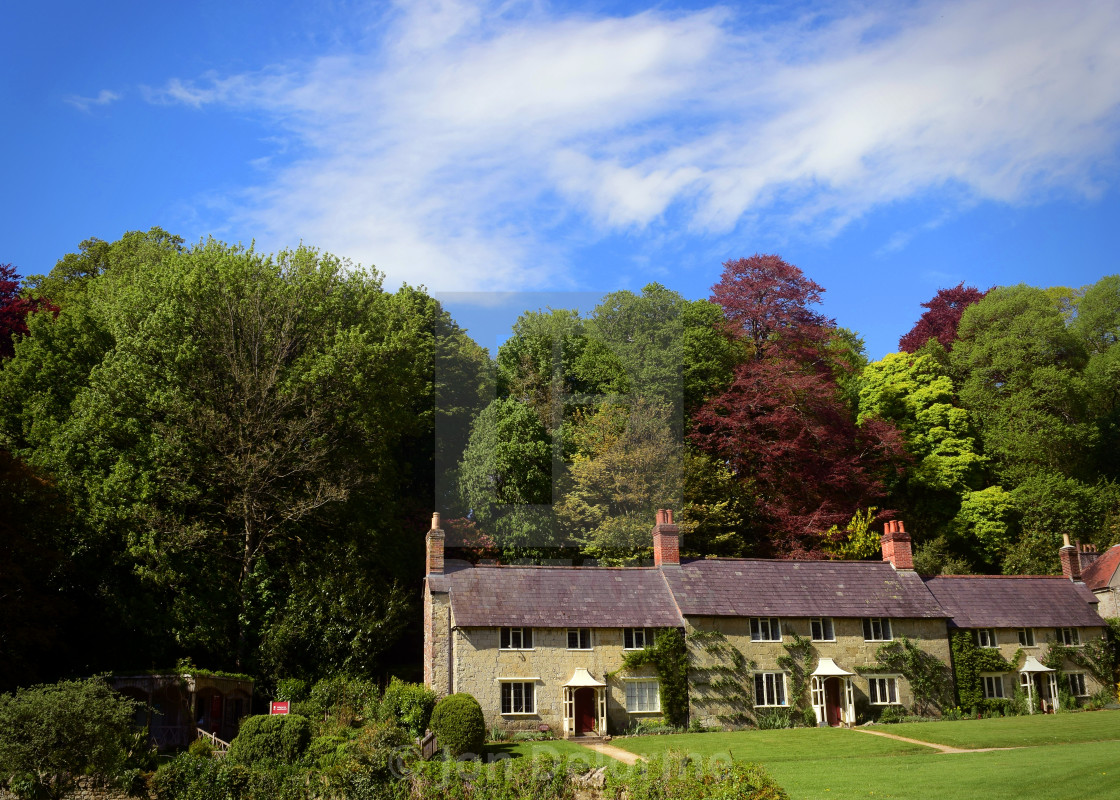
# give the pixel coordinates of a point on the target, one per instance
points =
(50, 735)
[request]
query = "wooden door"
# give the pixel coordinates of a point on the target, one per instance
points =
(585, 710)
(832, 702)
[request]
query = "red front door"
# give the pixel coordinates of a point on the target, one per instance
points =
(585, 710)
(832, 701)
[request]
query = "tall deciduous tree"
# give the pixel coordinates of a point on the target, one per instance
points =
(941, 318)
(783, 426)
(14, 308)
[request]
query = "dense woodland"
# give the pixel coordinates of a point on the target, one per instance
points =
(213, 454)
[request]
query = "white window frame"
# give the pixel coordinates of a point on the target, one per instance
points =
(1070, 637)
(1081, 689)
(528, 690)
(875, 690)
(826, 629)
(1026, 637)
(884, 625)
(986, 637)
(990, 681)
(772, 683)
(766, 629)
(579, 633)
(644, 633)
(634, 686)
(507, 635)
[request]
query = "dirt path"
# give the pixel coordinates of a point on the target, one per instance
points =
(940, 747)
(617, 753)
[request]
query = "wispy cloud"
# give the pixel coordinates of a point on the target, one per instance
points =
(104, 98)
(474, 136)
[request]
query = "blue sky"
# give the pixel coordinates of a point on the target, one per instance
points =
(489, 147)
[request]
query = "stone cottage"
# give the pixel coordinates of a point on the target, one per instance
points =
(543, 646)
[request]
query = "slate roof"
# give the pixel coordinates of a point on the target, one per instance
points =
(1003, 601)
(558, 597)
(1098, 575)
(760, 587)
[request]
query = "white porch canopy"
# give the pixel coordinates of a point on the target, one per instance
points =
(1032, 667)
(845, 709)
(582, 679)
(828, 668)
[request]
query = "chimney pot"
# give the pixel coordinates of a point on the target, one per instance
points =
(1071, 560)
(434, 541)
(666, 540)
(896, 545)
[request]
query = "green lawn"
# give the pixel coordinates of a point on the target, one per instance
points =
(1088, 726)
(1066, 762)
(555, 748)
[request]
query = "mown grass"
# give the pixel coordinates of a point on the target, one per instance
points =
(767, 746)
(1087, 726)
(553, 747)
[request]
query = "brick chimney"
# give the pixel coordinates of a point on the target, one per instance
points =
(666, 540)
(1071, 562)
(1087, 554)
(435, 540)
(896, 545)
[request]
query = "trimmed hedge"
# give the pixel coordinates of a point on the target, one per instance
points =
(264, 739)
(458, 724)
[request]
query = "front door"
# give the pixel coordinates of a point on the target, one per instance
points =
(832, 701)
(585, 710)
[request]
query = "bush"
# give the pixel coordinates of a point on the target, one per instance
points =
(51, 734)
(340, 701)
(676, 777)
(808, 718)
(291, 689)
(409, 704)
(891, 715)
(458, 724)
(268, 740)
(773, 719)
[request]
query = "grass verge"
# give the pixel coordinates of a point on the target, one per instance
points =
(1039, 729)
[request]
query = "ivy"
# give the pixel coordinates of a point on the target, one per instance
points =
(1095, 656)
(798, 662)
(723, 679)
(669, 656)
(929, 677)
(969, 661)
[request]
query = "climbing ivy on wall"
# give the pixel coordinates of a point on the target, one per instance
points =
(929, 677)
(669, 656)
(1095, 656)
(798, 661)
(720, 675)
(969, 661)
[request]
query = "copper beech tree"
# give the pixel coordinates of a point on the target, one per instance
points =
(14, 308)
(940, 319)
(783, 426)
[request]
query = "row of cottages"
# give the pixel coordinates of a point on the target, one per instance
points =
(543, 646)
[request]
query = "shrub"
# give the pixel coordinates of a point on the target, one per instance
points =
(341, 701)
(773, 719)
(201, 748)
(809, 718)
(892, 714)
(672, 776)
(51, 734)
(291, 689)
(458, 724)
(410, 704)
(268, 740)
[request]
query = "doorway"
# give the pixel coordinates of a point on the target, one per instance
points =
(832, 701)
(585, 710)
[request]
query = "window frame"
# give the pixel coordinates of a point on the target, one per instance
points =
(997, 680)
(990, 635)
(823, 622)
(646, 638)
(506, 637)
(889, 682)
(634, 683)
(579, 632)
(771, 624)
(778, 687)
(1080, 679)
(1069, 637)
(869, 624)
(1026, 637)
(528, 688)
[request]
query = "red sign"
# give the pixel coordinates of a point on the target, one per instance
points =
(278, 707)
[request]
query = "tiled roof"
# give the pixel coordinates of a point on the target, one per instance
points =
(1098, 575)
(556, 597)
(758, 587)
(999, 601)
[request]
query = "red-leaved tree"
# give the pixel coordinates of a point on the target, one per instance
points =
(15, 308)
(782, 426)
(941, 319)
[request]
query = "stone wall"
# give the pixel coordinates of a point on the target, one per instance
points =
(87, 789)
(479, 663)
(850, 651)
(437, 641)
(1007, 642)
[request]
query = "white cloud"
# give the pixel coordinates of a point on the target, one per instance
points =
(453, 152)
(104, 98)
